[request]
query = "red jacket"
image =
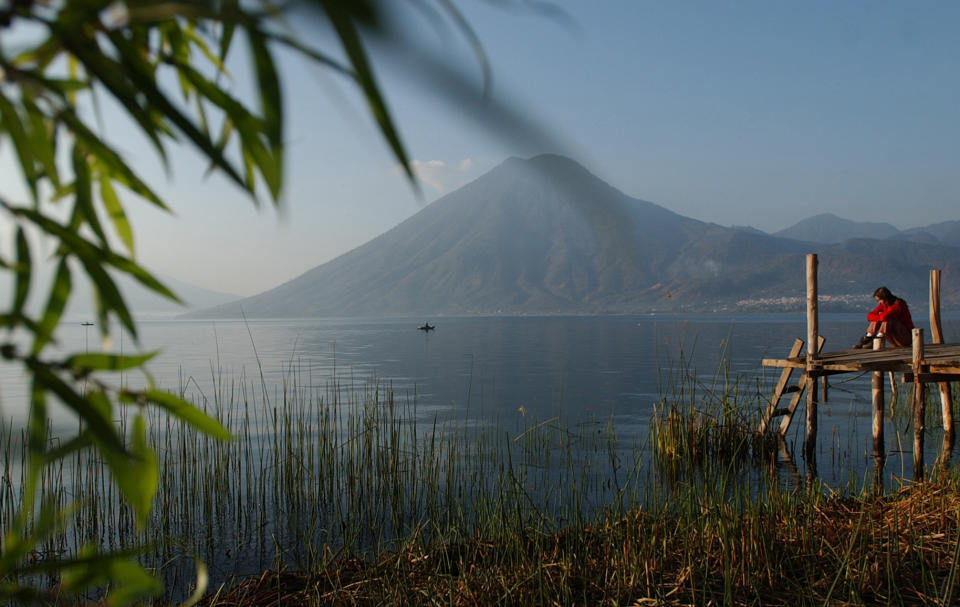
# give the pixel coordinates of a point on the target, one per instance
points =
(897, 311)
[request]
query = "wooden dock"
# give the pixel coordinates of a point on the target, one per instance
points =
(941, 362)
(921, 364)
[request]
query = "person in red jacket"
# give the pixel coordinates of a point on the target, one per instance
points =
(890, 320)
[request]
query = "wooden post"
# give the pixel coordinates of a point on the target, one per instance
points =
(936, 336)
(812, 356)
(919, 405)
(878, 442)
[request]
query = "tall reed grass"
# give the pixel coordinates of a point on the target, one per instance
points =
(348, 493)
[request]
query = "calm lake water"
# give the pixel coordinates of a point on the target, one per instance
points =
(474, 374)
(493, 370)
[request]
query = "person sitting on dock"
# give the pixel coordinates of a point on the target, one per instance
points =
(890, 320)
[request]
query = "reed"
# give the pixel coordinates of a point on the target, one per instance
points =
(347, 493)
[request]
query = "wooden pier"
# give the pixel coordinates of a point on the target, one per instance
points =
(921, 364)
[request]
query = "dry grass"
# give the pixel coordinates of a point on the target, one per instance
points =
(787, 550)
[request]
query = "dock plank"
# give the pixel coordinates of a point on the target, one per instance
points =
(940, 359)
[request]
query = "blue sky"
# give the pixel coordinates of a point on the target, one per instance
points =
(742, 113)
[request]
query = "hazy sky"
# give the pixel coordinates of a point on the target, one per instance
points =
(740, 113)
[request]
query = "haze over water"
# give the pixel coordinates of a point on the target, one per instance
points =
(506, 371)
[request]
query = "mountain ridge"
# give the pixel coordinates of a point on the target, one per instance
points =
(546, 236)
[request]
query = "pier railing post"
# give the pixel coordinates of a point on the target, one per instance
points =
(877, 385)
(919, 405)
(812, 355)
(936, 336)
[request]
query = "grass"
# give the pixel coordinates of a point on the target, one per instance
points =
(786, 549)
(347, 494)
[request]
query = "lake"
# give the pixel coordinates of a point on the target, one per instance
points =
(477, 378)
(492, 370)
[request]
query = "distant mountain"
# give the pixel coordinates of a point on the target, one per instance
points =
(145, 303)
(829, 229)
(141, 301)
(947, 232)
(545, 236)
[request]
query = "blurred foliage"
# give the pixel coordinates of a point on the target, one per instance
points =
(163, 63)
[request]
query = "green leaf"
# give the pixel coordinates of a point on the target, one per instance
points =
(37, 434)
(120, 171)
(31, 532)
(77, 443)
(155, 98)
(135, 583)
(248, 126)
(59, 294)
(23, 272)
(341, 19)
(107, 293)
(271, 102)
(183, 410)
(41, 139)
(142, 276)
(82, 364)
(201, 44)
(10, 122)
(113, 75)
(115, 211)
(83, 193)
(88, 253)
(129, 582)
(136, 472)
(226, 37)
(87, 408)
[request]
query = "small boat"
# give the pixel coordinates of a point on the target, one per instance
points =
(426, 327)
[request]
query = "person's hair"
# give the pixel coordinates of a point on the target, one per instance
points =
(885, 294)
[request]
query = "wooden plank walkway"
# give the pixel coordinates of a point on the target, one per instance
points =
(938, 359)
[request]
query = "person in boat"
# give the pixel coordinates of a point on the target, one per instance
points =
(890, 320)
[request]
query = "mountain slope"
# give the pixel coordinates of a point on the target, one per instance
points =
(827, 228)
(545, 236)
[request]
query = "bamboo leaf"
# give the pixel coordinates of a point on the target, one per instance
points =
(129, 582)
(271, 103)
(113, 75)
(10, 122)
(90, 254)
(226, 37)
(342, 22)
(204, 48)
(141, 275)
(59, 294)
(39, 56)
(83, 193)
(23, 272)
(248, 127)
(41, 140)
(115, 210)
(190, 414)
(137, 583)
(136, 472)
(87, 409)
(82, 364)
(156, 99)
(108, 295)
(77, 443)
(120, 171)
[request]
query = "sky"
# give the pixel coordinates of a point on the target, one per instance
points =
(742, 113)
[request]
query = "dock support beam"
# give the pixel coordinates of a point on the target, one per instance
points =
(810, 446)
(919, 405)
(879, 451)
(936, 336)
